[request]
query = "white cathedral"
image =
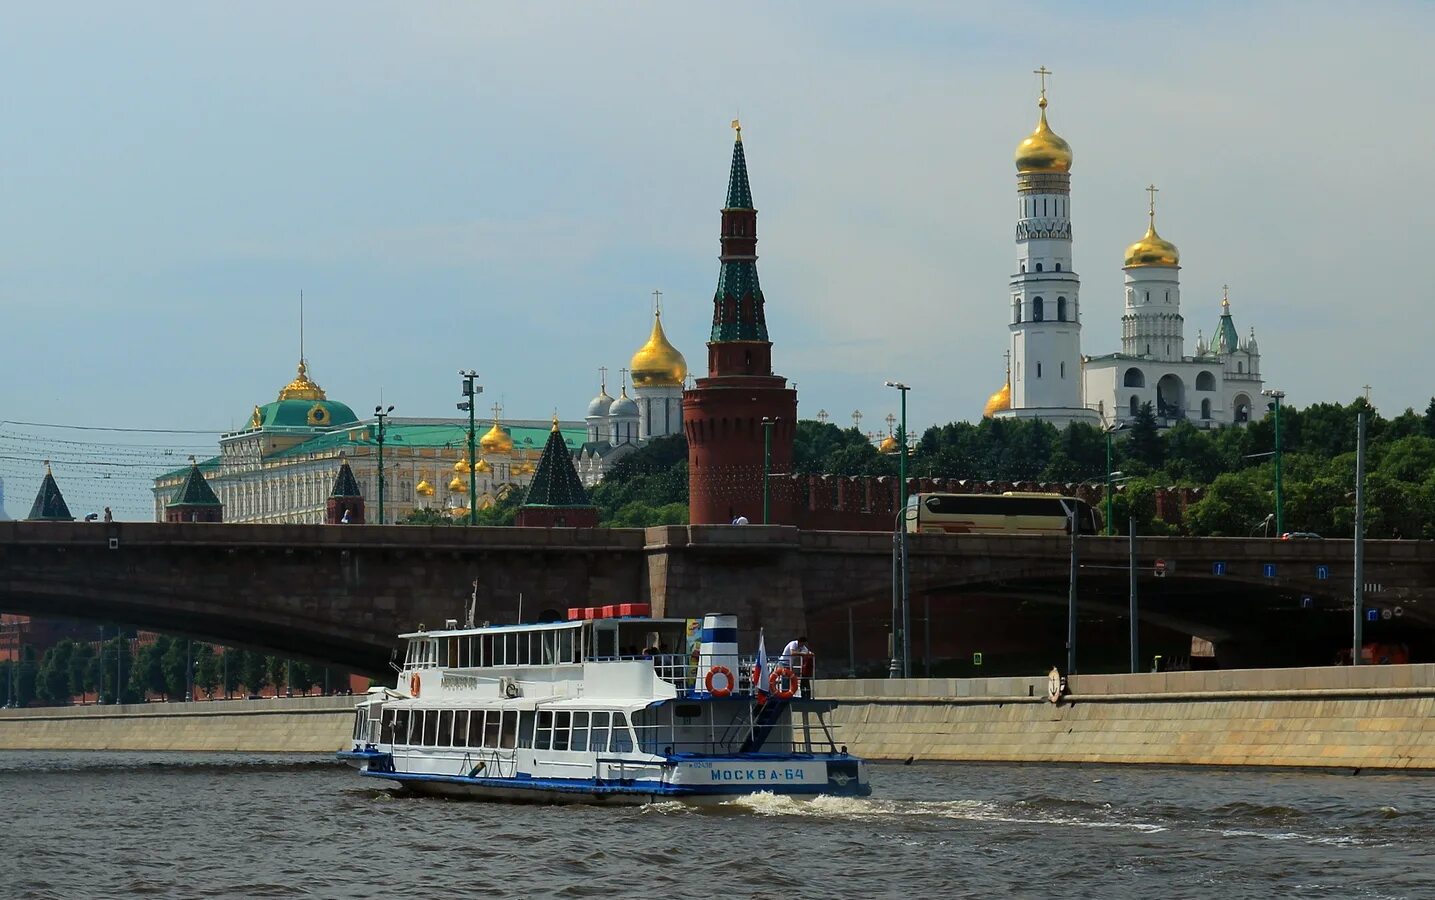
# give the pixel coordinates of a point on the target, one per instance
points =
(1047, 376)
(617, 427)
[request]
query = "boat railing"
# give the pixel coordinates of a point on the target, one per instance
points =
(681, 671)
(723, 739)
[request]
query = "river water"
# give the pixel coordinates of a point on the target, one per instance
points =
(225, 825)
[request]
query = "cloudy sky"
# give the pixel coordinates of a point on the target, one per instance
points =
(501, 186)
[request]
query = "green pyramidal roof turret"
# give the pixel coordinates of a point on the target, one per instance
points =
(195, 491)
(738, 302)
(49, 505)
(556, 482)
(1226, 340)
(739, 195)
(345, 485)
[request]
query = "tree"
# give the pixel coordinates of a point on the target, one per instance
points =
(254, 672)
(426, 517)
(7, 683)
(175, 665)
(148, 675)
(207, 670)
(303, 676)
(1144, 444)
(1232, 507)
(26, 674)
(231, 669)
(1429, 423)
(81, 669)
(52, 685)
(277, 669)
(116, 669)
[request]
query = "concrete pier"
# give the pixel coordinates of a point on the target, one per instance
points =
(1369, 718)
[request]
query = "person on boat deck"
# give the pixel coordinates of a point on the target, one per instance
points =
(797, 656)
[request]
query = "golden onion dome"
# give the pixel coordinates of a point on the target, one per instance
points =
(496, 440)
(1151, 250)
(462, 466)
(458, 512)
(658, 363)
(458, 485)
(1043, 150)
(301, 388)
(889, 444)
(482, 466)
(998, 402)
(423, 488)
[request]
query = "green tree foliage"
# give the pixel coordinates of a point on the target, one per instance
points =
(253, 671)
(174, 663)
(277, 670)
(426, 517)
(207, 670)
(52, 685)
(1230, 505)
(1144, 444)
(27, 673)
(117, 670)
(7, 683)
(81, 669)
(647, 487)
(231, 670)
(148, 675)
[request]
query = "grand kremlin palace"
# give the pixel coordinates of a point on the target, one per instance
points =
(282, 466)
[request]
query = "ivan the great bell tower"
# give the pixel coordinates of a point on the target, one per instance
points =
(723, 414)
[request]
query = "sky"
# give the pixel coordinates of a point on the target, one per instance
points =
(502, 186)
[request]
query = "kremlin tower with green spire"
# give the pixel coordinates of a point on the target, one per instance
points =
(723, 414)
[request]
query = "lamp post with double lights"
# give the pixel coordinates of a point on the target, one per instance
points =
(767, 425)
(1278, 396)
(381, 415)
(470, 390)
(901, 601)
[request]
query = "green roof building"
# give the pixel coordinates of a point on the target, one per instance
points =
(555, 496)
(49, 505)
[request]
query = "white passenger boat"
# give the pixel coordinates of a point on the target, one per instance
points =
(599, 710)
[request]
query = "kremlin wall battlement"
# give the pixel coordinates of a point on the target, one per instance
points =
(869, 502)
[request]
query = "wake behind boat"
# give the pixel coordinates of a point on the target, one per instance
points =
(573, 712)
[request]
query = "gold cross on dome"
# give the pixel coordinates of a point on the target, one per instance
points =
(603, 378)
(1042, 73)
(1226, 296)
(657, 303)
(497, 411)
(737, 126)
(1152, 190)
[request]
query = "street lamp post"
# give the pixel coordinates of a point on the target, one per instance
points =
(1111, 475)
(381, 414)
(1278, 396)
(767, 468)
(471, 389)
(904, 604)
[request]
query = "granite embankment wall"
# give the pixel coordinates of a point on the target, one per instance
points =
(299, 724)
(1370, 717)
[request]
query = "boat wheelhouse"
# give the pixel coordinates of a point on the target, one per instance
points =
(606, 709)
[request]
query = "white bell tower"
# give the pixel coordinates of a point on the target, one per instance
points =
(1046, 378)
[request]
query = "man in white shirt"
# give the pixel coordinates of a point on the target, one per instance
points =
(797, 656)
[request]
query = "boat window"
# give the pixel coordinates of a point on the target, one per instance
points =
(460, 728)
(580, 733)
(386, 730)
(562, 721)
(509, 740)
(430, 728)
(445, 728)
(622, 738)
(485, 650)
(451, 656)
(598, 740)
(543, 735)
(565, 646)
(401, 726)
(475, 728)
(490, 729)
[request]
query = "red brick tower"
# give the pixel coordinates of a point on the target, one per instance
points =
(723, 414)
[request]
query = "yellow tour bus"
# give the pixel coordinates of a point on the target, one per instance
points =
(1009, 513)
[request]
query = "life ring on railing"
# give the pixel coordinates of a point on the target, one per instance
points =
(789, 684)
(729, 682)
(414, 685)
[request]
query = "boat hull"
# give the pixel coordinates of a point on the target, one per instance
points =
(688, 780)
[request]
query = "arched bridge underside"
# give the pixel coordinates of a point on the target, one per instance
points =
(339, 594)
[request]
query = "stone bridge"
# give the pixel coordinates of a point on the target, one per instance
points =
(340, 594)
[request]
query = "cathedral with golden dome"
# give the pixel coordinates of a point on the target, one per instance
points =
(618, 426)
(1048, 377)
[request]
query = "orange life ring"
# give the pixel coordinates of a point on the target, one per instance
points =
(775, 679)
(729, 681)
(414, 685)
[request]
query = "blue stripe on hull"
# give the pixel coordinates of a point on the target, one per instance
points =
(590, 787)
